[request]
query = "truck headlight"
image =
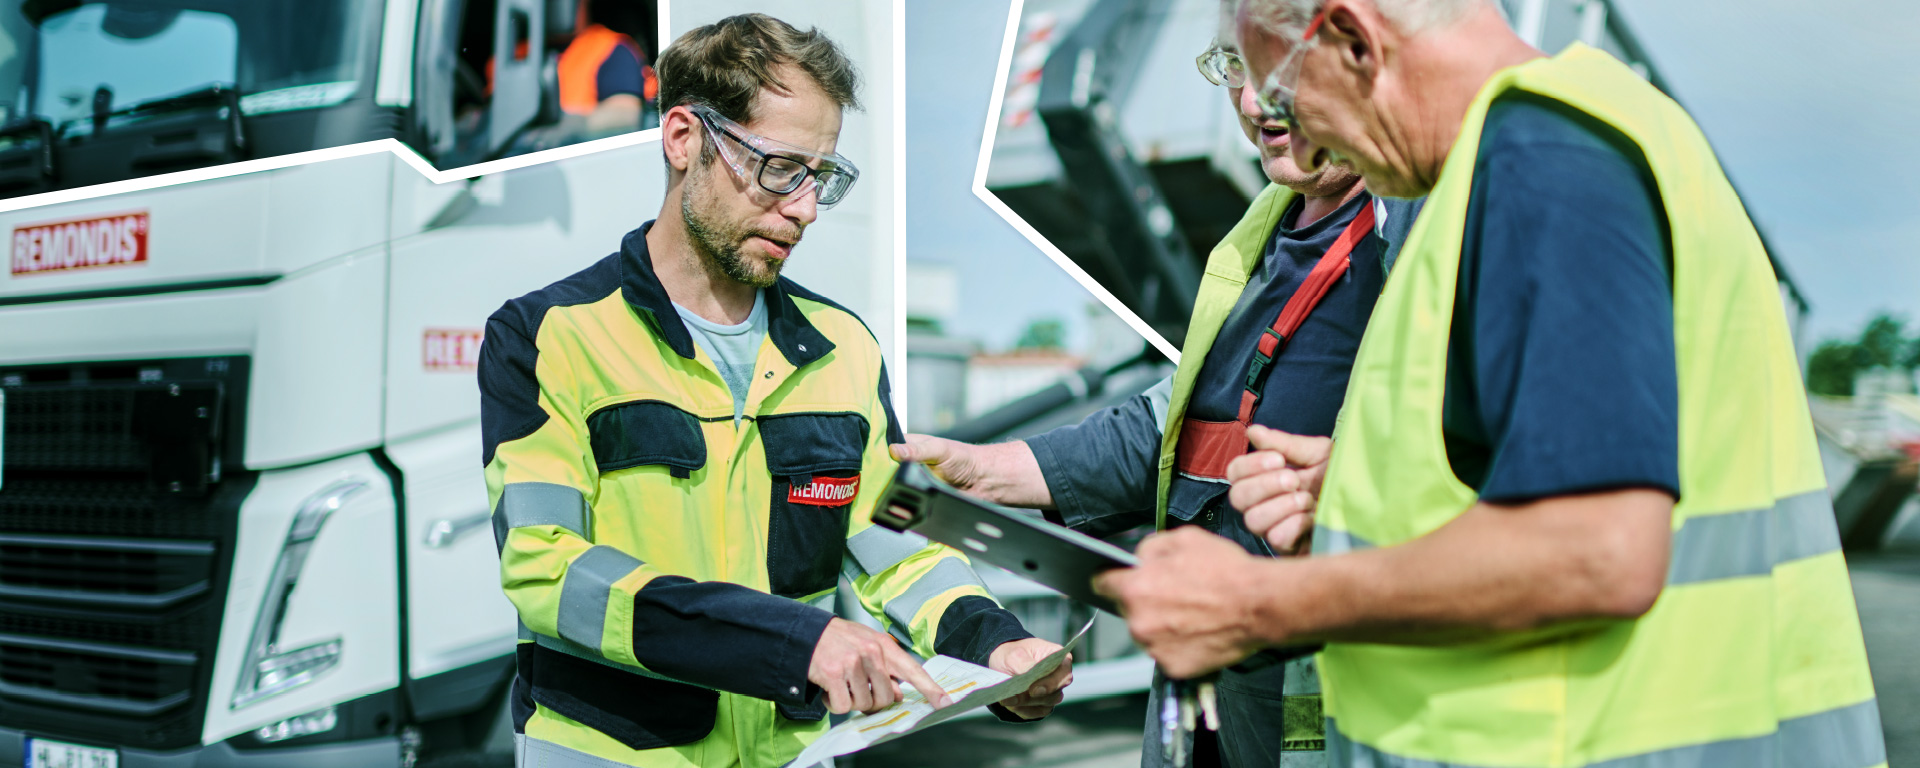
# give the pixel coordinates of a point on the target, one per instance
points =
(267, 670)
(317, 721)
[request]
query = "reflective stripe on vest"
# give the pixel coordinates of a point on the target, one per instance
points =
(1712, 547)
(1848, 737)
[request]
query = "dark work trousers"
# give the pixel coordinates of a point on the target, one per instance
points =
(1253, 706)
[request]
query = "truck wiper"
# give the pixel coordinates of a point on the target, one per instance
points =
(216, 94)
(23, 163)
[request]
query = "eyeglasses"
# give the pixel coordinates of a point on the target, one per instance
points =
(782, 169)
(1222, 68)
(1275, 97)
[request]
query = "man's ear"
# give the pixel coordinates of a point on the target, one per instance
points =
(1355, 31)
(680, 137)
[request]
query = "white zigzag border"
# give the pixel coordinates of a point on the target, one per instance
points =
(406, 154)
(397, 147)
(1026, 230)
(662, 18)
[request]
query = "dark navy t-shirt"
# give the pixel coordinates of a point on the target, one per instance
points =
(1561, 375)
(621, 72)
(1101, 472)
(1309, 377)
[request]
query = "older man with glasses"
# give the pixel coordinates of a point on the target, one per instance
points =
(1281, 309)
(675, 444)
(1574, 514)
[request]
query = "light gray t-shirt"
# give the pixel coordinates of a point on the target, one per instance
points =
(734, 348)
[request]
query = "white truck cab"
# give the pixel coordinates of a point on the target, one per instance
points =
(242, 518)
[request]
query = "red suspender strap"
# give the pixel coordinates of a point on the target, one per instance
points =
(1206, 447)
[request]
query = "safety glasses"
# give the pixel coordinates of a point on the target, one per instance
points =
(1222, 68)
(1275, 97)
(780, 168)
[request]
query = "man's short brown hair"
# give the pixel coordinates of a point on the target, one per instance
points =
(725, 64)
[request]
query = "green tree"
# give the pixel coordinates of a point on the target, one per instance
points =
(1883, 343)
(1045, 333)
(1831, 368)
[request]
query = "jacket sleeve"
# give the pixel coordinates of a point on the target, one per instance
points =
(928, 591)
(597, 601)
(1102, 472)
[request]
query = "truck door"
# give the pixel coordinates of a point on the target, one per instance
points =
(478, 76)
(518, 32)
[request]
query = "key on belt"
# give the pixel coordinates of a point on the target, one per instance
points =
(1185, 705)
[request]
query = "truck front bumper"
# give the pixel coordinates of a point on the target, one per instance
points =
(371, 753)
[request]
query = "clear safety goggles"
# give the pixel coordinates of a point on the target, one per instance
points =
(1222, 68)
(780, 168)
(1275, 97)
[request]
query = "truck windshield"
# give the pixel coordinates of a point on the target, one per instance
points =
(96, 62)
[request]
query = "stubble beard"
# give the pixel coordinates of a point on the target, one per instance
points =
(718, 243)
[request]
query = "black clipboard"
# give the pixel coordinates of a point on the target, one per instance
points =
(1067, 561)
(1027, 546)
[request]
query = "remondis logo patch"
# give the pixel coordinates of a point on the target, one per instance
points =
(101, 241)
(826, 491)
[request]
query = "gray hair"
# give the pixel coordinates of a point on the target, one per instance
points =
(1292, 16)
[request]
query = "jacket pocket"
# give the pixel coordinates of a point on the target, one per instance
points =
(814, 711)
(646, 432)
(638, 711)
(814, 460)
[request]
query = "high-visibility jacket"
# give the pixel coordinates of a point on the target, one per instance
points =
(672, 568)
(579, 68)
(1752, 655)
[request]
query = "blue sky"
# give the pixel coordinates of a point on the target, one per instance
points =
(952, 51)
(1813, 108)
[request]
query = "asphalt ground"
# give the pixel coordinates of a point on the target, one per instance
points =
(1887, 588)
(1105, 733)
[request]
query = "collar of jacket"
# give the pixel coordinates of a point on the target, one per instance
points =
(787, 327)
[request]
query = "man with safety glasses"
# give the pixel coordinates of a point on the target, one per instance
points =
(1574, 513)
(1281, 309)
(684, 449)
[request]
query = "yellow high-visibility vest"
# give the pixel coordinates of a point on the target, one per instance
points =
(1752, 655)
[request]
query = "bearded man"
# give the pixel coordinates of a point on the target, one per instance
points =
(675, 440)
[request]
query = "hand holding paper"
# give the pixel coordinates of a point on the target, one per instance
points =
(1022, 655)
(969, 685)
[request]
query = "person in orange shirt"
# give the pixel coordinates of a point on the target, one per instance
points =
(605, 79)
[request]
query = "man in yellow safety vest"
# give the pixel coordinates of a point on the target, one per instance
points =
(1573, 513)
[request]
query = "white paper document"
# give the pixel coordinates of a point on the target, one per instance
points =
(970, 686)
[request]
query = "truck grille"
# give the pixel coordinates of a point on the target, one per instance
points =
(118, 506)
(92, 676)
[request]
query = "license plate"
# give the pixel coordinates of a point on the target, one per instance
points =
(53, 754)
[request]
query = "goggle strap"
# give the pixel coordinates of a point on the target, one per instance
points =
(1313, 27)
